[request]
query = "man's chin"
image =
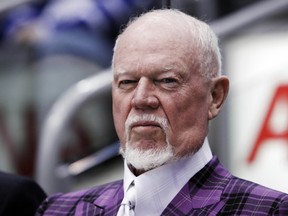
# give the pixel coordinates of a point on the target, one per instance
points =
(146, 144)
(147, 159)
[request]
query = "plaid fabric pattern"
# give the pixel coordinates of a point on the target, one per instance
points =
(102, 200)
(212, 191)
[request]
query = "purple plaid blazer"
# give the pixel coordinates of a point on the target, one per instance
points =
(212, 191)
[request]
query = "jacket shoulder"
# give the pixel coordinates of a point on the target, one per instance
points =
(66, 203)
(247, 197)
(243, 197)
(215, 189)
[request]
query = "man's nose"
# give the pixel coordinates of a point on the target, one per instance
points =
(145, 95)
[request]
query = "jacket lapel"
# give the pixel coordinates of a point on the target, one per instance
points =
(203, 190)
(110, 200)
(105, 201)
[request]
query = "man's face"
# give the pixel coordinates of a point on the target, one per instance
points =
(159, 93)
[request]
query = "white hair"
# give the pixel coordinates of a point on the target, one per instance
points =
(202, 36)
(149, 158)
(163, 122)
(146, 159)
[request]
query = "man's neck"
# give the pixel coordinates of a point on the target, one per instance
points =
(135, 171)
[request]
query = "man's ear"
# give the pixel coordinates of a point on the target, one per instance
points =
(219, 91)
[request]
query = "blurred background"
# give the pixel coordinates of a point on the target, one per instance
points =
(55, 88)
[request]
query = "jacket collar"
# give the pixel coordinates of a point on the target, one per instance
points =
(203, 189)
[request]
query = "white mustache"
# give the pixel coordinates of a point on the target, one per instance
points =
(163, 122)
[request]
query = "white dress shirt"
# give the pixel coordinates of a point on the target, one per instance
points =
(156, 188)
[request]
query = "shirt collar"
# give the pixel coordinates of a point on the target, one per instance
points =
(156, 188)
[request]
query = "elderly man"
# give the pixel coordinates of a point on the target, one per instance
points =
(167, 87)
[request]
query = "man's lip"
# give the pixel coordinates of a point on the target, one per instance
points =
(145, 123)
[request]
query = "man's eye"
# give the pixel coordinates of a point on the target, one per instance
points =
(168, 80)
(125, 84)
(168, 83)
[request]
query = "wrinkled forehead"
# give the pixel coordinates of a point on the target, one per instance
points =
(153, 35)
